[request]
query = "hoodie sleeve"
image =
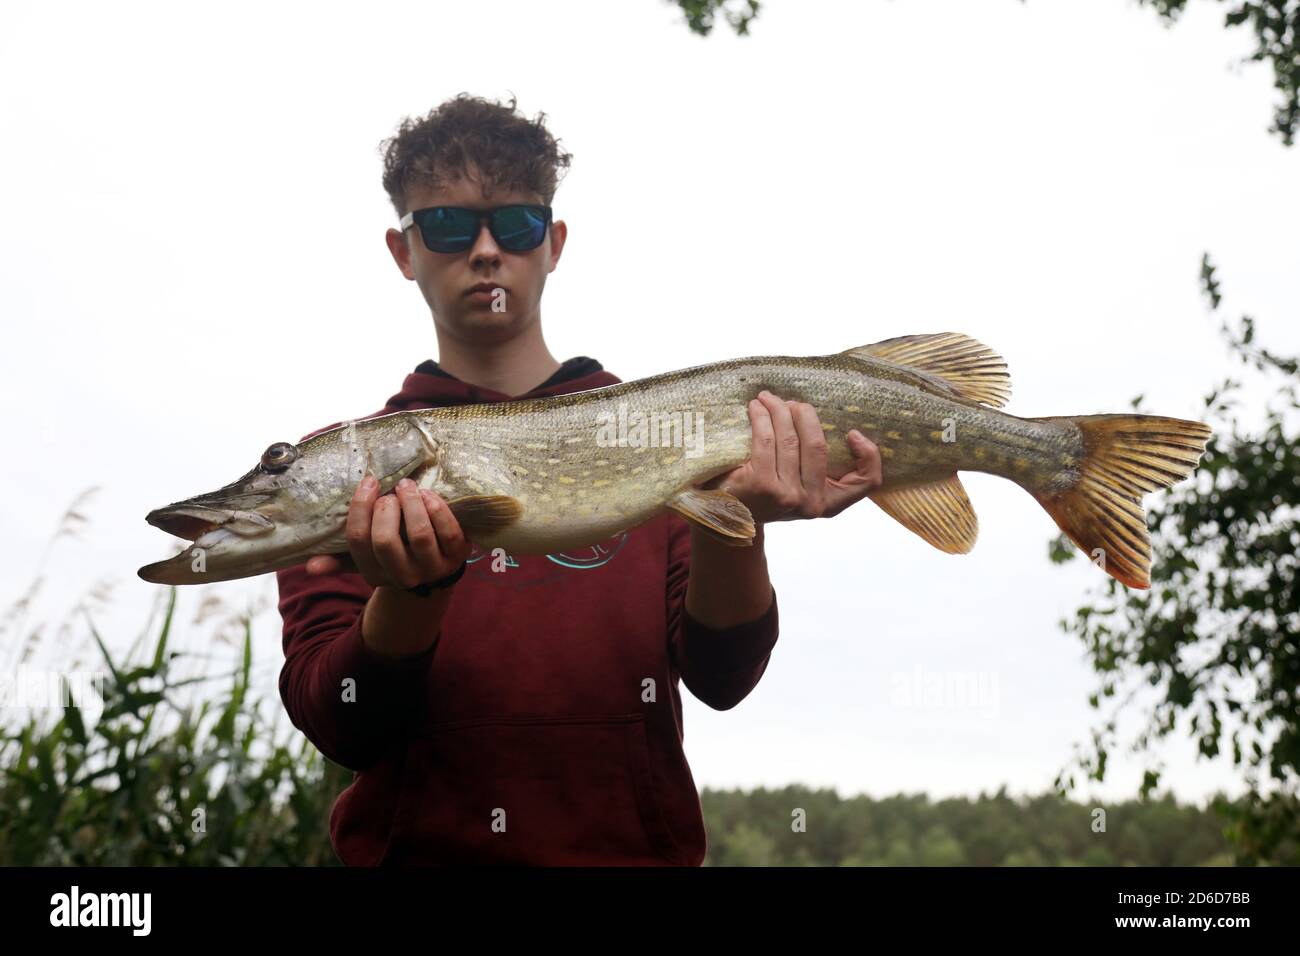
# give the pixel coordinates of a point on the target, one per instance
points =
(719, 666)
(349, 701)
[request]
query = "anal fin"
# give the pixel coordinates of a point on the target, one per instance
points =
(938, 510)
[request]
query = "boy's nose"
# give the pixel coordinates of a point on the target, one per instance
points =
(485, 247)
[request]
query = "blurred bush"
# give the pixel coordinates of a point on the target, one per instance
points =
(159, 781)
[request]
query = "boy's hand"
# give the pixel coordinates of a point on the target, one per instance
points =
(399, 539)
(785, 478)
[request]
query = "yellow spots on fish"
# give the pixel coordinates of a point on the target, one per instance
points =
(936, 435)
(894, 435)
(1068, 460)
(537, 446)
(980, 454)
(620, 467)
(638, 469)
(543, 474)
(668, 459)
(827, 426)
(573, 440)
(543, 497)
(852, 408)
(485, 458)
(601, 462)
(885, 452)
(519, 469)
(1021, 464)
(581, 492)
(566, 480)
(907, 411)
(477, 486)
(538, 484)
(600, 482)
(640, 449)
(488, 444)
(552, 461)
(871, 426)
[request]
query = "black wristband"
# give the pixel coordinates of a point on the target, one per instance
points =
(425, 589)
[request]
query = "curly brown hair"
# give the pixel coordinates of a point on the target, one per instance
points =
(508, 150)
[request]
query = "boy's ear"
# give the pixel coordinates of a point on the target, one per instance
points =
(559, 233)
(400, 251)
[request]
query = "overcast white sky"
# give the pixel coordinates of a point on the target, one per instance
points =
(192, 266)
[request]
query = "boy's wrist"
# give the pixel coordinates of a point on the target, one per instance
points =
(428, 587)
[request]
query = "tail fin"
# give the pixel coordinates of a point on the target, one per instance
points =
(1125, 456)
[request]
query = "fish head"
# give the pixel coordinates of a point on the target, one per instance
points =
(291, 505)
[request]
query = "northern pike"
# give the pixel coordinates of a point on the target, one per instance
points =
(538, 476)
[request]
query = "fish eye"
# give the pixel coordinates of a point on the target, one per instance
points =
(279, 456)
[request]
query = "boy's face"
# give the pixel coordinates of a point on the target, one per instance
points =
(446, 278)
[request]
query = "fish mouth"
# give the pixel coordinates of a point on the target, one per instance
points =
(193, 520)
(216, 527)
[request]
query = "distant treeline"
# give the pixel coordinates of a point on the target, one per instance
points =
(796, 826)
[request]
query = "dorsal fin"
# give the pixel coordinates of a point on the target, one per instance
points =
(971, 369)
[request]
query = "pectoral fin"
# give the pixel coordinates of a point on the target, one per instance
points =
(718, 512)
(939, 511)
(485, 514)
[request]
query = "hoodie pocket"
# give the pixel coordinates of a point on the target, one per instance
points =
(572, 790)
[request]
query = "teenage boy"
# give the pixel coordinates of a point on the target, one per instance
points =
(520, 708)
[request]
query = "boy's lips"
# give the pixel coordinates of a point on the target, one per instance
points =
(488, 287)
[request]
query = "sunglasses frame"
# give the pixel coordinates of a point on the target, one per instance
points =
(484, 215)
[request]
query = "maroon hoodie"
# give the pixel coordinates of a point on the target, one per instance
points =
(544, 726)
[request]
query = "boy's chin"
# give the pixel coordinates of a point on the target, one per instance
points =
(486, 325)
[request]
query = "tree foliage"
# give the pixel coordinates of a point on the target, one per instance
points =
(800, 826)
(1275, 23)
(701, 14)
(1216, 640)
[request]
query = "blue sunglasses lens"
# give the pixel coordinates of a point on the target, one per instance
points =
(446, 229)
(519, 228)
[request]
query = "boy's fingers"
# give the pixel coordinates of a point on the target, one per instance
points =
(451, 538)
(420, 535)
(762, 456)
(858, 483)
(361, 517)
(330, 564)
(813, 455)
(786, 438)
(395, 565)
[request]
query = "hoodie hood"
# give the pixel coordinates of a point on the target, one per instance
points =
(432, 386)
